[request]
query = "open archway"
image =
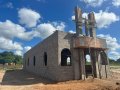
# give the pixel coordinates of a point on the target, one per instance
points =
(65, 57)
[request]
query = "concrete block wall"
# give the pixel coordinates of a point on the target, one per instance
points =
(65, 41)
(52, 46)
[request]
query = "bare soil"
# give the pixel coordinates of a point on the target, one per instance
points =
(20, 80)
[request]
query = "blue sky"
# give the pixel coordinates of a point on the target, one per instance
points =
(24, 23)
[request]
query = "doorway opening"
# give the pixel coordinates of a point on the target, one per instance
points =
(88, 63)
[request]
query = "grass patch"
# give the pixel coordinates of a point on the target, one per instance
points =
(10, 67)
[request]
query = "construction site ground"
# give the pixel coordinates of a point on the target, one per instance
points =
(20, 80)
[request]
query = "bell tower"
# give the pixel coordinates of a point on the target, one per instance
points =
(78, 21)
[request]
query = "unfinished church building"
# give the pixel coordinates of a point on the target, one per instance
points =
(64, 56)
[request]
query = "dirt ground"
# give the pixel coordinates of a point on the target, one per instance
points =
(20, 80)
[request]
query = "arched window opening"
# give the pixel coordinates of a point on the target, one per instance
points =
(45, 58)
(34, 61)
(65, 57)
(28, 62)
(104, 59)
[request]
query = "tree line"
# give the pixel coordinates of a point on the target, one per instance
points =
(10, 57)
(114, 62)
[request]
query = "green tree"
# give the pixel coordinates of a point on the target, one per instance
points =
(118, 60)
(8, 57)
(18, 59)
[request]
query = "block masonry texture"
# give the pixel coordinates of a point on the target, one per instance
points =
(53, 45)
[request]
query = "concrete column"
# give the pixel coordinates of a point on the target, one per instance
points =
(91, 19)
(78, 20)
(94, 63)
(82, 64)
(98, 74)
(86, 27)
(76, 64)
(104, 69)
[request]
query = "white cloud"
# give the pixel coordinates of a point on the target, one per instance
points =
(94, 3)
(111, 42)
(59, 25)
(45, 29)
(28, 17)
(113, 46)
(26, 48)
(84, 15)
(114, 55)
(9, 5)
(103, 18)
(7, 44)
(11, 30)
(18, 52)
(116, 3)
(71, 31)
(73, 17)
